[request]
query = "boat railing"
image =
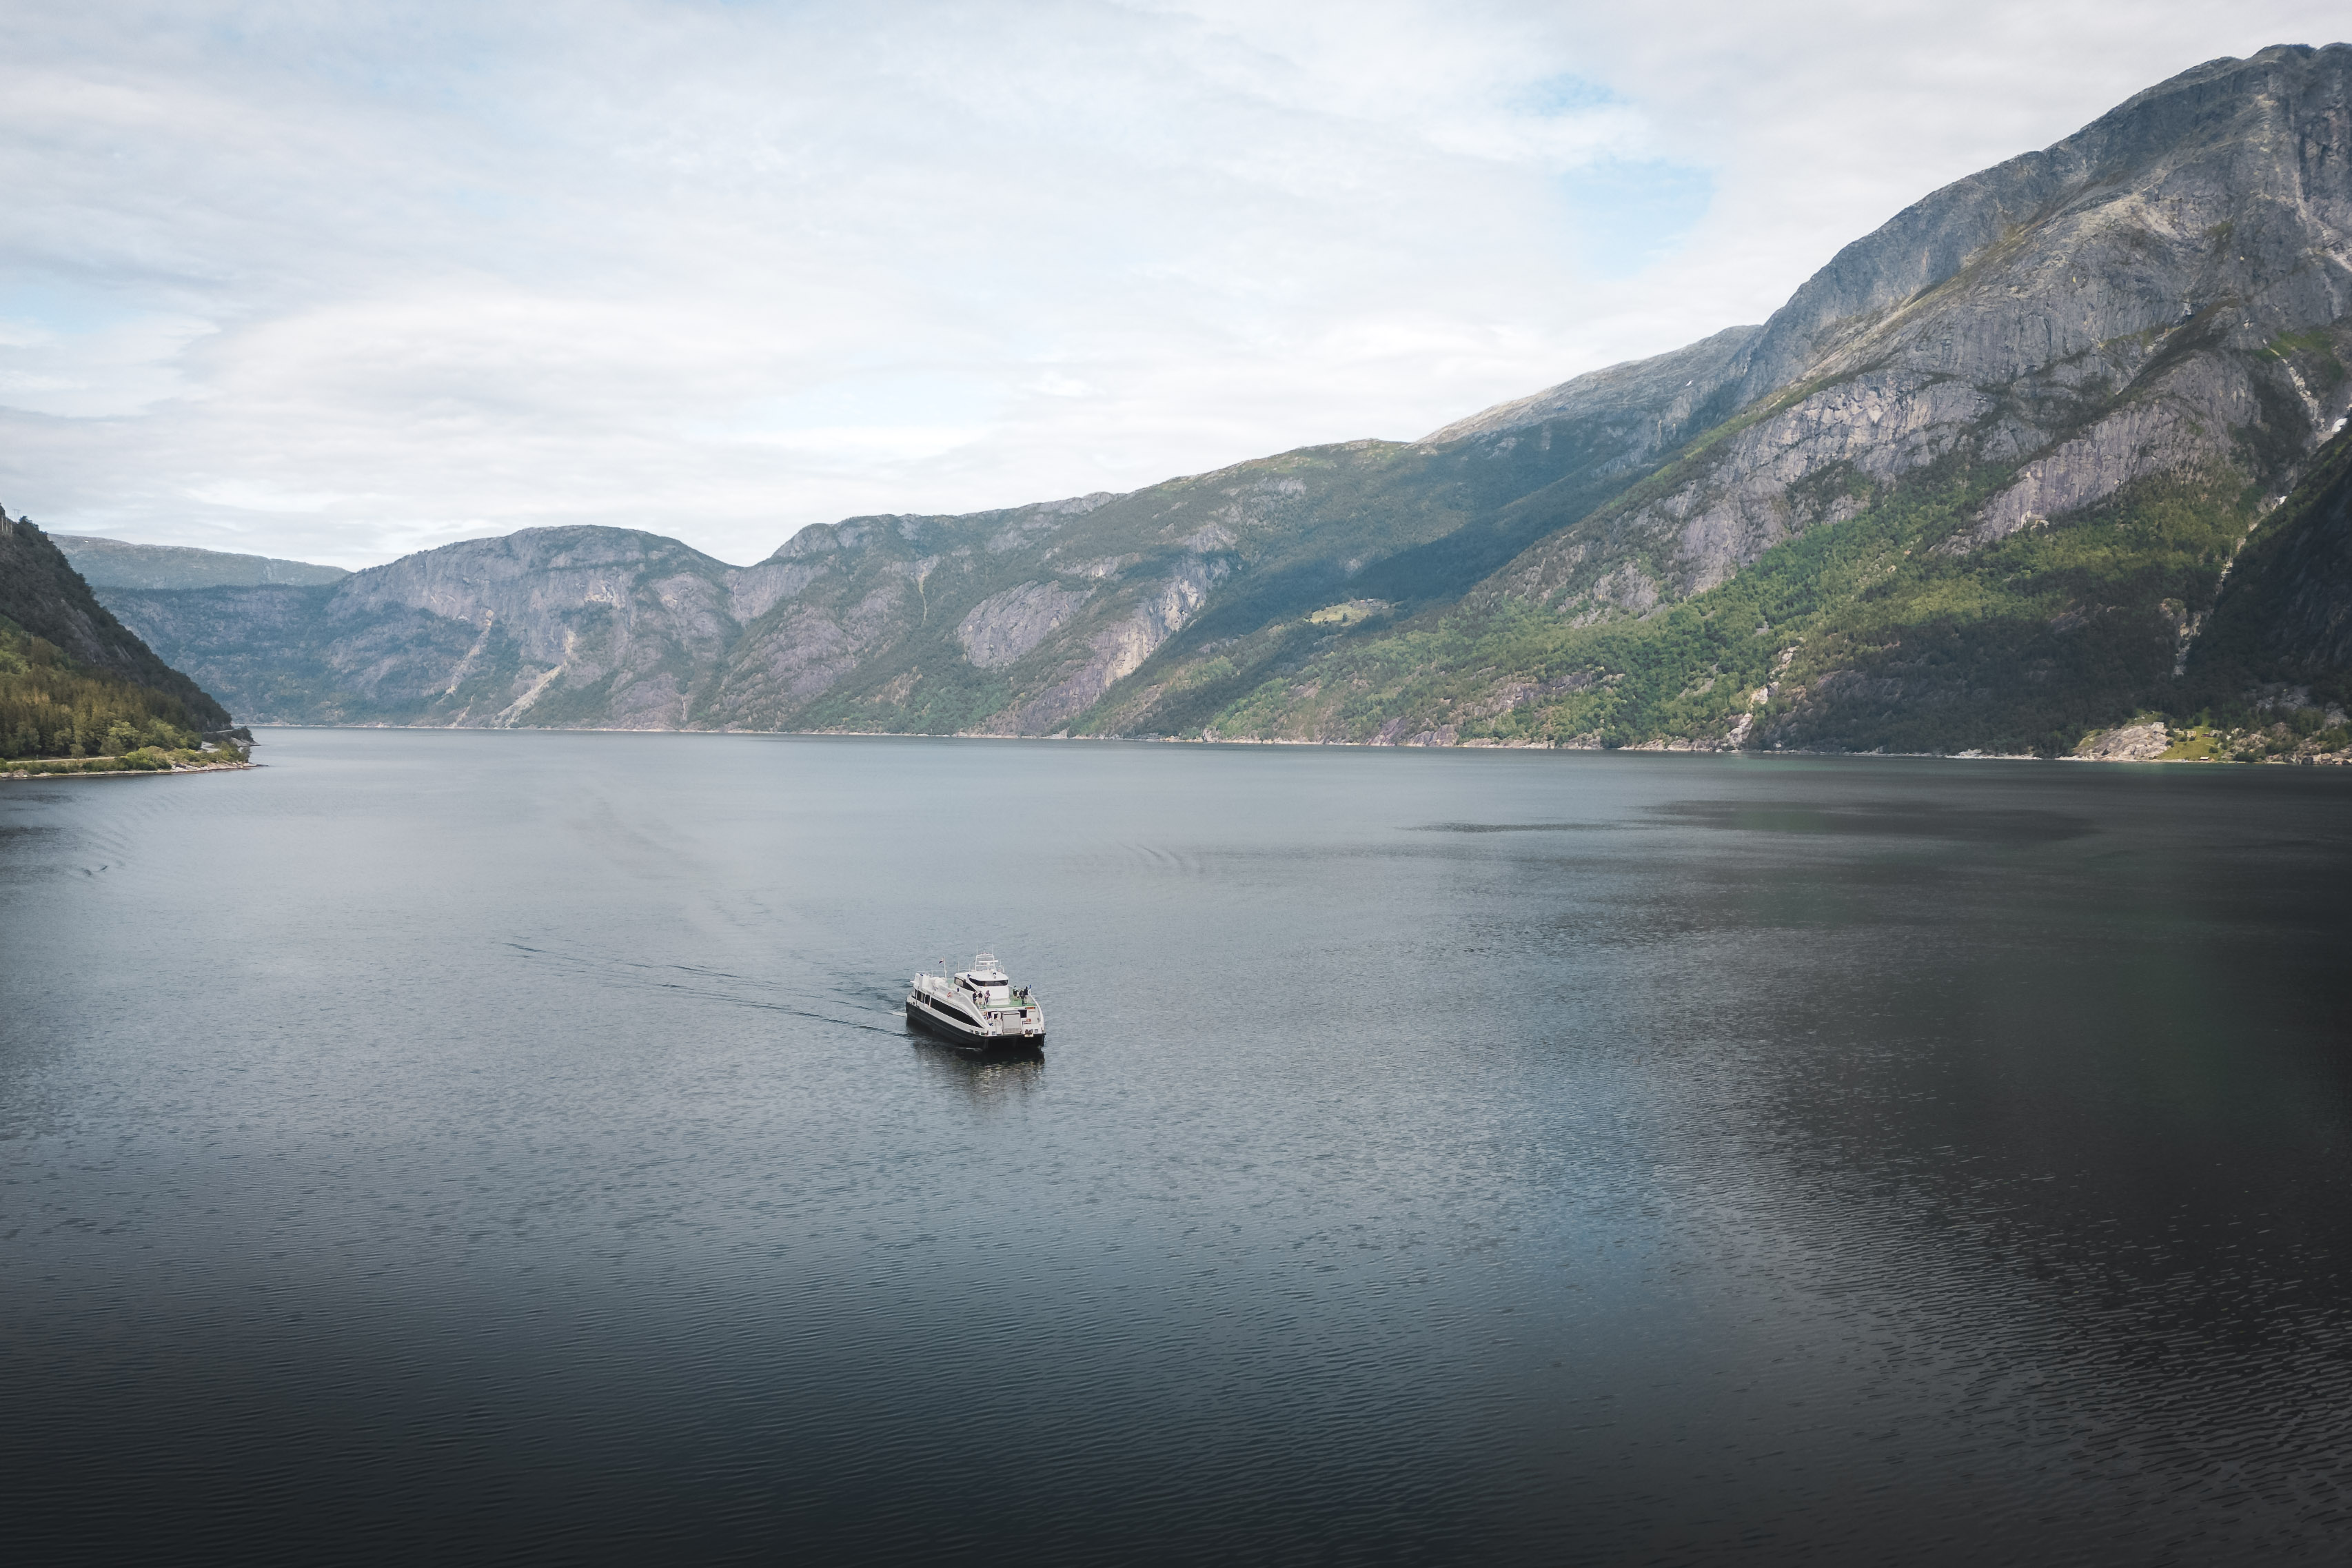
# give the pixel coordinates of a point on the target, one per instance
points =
(1016, 998)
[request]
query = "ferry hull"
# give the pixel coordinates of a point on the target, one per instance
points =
(963, 1034)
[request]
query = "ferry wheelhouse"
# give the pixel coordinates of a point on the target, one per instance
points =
(978, 1007)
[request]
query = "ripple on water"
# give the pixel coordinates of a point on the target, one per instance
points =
(509, 1145)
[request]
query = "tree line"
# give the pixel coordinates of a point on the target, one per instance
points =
(52, 707)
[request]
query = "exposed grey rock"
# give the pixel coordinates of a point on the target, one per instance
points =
(2127, 743)
(1027, 524)
(1392, 733)
(558, 613)
(2098, 312)
(756, 589)
(1628, 587)
(1663, 393)
(1512, 695)
(2176, 428)
(1004, 626)
(1120, 649)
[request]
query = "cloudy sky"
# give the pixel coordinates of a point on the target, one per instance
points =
(339, 282)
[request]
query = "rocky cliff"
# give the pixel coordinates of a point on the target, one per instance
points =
(1985, 473)
(2137, 300)
(582, 626)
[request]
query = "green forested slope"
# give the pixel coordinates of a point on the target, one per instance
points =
(73, 682)
(42, 596)
(52, 706)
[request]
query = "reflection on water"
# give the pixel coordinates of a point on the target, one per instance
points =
(507, 1144)
(991, 1077)
(1880, 818)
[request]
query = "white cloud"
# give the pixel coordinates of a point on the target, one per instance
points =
(335, 282)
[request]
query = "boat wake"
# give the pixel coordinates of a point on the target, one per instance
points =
(849, 1004)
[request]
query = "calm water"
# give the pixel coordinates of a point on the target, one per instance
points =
(511, 1144)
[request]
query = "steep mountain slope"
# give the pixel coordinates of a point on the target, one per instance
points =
(2286, 621)
(1010, 621)
(43, 597)
(117, 563)
(550, 626)
(2121, 305)
(1989, 467)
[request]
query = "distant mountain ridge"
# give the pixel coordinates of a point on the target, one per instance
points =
(1010, 621)
(117, 563)
(1982, 482)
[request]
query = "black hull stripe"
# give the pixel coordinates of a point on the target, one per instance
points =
(949, 1027)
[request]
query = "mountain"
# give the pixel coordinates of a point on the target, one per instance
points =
(42, 596)
(1986, 474)
(73, 680)
(550, 626)
(1008, 621)
(116, 563)
(2047, 450)
(2286, 619)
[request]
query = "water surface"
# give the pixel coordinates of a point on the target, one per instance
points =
(511, 1144)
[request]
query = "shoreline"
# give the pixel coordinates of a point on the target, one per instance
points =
(13, 774)
(1641, 749)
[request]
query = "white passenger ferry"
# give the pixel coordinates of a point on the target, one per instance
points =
(978, 1006)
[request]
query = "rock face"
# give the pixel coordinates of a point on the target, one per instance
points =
(1117, 650)
(2137, 300)
(1651, 405)
(2126, 743)
(2304, 622)
(582, 626)
(602, 626)
(2032, 418)
(1004, 626)
(615, 629)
